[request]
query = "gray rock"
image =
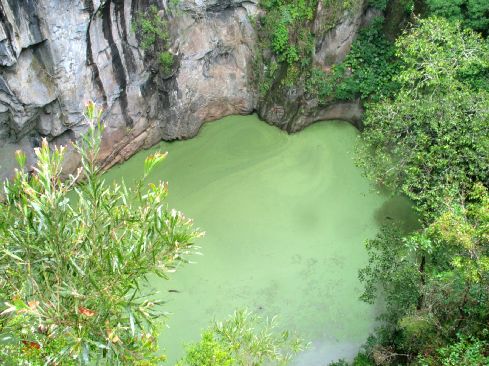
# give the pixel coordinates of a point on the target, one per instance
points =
(55, 55)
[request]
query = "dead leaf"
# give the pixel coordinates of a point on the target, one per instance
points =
(31, 344)
(85, 311)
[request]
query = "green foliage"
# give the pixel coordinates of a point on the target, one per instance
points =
(472, 13)
(418, 332)
(428, 148)
(210, 351)
(244, 339)
(166, 61)
(285, 20)
(360, 360)
(441, 56)
(367, 71)
(151, 28)
(467, 351)
(435, 282)
(320, 84)
(372, 63)
(173, 5)
(392, 271)
(74, 259)
(431, 141)
(378, 4)
(450, 9)
(284, 30)
(335, 10)
(286, 40)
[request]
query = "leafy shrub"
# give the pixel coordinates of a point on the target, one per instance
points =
(208, 352)
(467, 351)
(166, 61)
(441, 54)
(74, 260)
(286, 21)
(151, 27)
(373, 63)
(360, 360)
(152, 31)
(378, 4)
(472, 13)
(367, 72)
(285, 40)
(431, 141)
(244, 339)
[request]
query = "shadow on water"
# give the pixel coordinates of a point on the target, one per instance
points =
(399, 210)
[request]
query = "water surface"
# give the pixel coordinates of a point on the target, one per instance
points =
(286, 218)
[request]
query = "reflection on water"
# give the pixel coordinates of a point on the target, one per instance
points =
(286, 217)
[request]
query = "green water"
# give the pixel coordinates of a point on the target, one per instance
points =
(286, 217)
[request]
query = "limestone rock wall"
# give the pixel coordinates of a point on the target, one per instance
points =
(290, 108)
(57, 54)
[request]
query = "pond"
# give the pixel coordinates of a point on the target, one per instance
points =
(286, 218)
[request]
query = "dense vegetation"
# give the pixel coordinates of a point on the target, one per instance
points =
(430, 141)
(367, 72)
(286, 45)
(471, 13)
(285, 56)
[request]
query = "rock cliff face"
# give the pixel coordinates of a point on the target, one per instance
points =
(57, 54)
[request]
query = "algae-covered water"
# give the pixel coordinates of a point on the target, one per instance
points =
(286, 218)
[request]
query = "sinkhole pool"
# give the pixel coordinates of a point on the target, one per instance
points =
(286, 218)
